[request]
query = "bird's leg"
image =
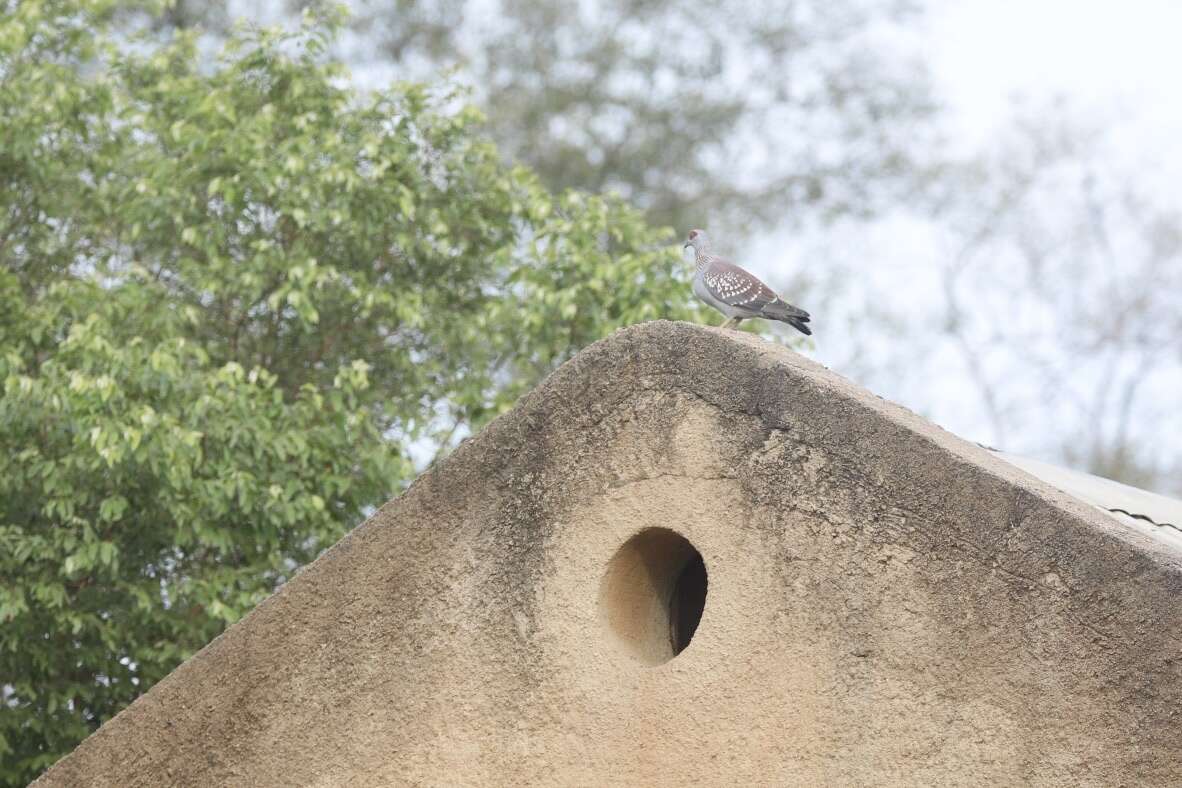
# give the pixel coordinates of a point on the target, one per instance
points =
(732, 323)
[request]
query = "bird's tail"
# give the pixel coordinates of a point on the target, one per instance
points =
(799, 325)
(786, 313)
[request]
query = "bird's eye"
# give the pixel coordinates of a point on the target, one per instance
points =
(693, 234)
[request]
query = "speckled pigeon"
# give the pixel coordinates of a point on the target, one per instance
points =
(736, 293)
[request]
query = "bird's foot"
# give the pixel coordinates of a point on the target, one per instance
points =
(732, 323)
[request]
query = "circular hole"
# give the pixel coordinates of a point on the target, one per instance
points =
(653, 594)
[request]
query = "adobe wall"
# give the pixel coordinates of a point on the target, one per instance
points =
(886, 604)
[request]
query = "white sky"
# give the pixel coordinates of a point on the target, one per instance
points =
(1114, 58)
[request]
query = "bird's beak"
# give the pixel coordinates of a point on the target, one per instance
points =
(686, 245)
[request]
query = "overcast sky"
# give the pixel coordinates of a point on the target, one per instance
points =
(1113, 63)
(1115, 58)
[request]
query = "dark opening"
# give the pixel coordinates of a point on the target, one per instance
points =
(687, 603)
(653, 593)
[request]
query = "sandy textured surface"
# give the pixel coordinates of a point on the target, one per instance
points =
(887, 604)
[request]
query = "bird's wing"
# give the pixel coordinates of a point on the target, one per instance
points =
(740, 288)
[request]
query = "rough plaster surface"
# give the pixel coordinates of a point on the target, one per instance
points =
(888, 604)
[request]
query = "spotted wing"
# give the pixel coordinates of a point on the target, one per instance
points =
(734, 286)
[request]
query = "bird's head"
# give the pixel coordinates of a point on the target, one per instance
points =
(696, 239)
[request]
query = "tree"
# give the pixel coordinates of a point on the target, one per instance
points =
(743, 114)
(1062, 297)
(1029, 300)
(732, 113)
(1040, 312)
(232, 295)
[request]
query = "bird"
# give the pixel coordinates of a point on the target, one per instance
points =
(737, 293)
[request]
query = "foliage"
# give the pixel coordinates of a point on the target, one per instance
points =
(233, 294)
(775, 112)
(816, 119)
